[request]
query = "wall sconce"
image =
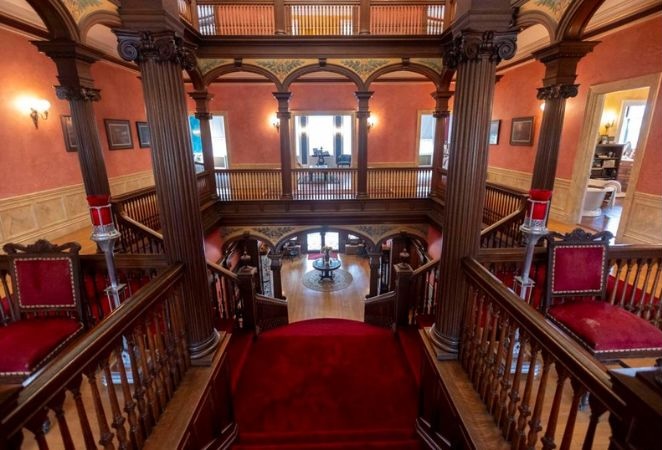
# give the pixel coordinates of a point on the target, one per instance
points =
(542, 106)
(37, 108)
(372, 121)
(275, 122)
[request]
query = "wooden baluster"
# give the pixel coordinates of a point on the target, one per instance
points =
(467, 332)
(548, 439)
(597, 410)
(136, 431)
(88, 437)
(498, 371)
(508, 425)
(506, 382)
(645, 301)
(118, 418)
(477, 335)
(139, 388)
(57, 405)
(37, 426)
(156, 365)
(106, 436)
(535, 424)
(490, 369)
(163, 357)
(519, 440)
(151, 395)
(578, 391)
(484, 326)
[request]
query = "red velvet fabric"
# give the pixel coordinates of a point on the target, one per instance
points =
(638, 293)
(44, 283)
(578, 269)
(606, 328)
(25, 344)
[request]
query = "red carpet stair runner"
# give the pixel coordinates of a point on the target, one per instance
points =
(324, 384)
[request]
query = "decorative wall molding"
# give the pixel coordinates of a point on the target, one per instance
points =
(508, 177)
(645, 224)
(56, 212)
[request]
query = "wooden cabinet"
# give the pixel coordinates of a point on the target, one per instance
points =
(606, 161)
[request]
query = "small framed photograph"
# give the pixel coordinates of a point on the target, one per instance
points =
(118, 133)
(495, 127)
(521, 131)
(70, 139)
(144, 139)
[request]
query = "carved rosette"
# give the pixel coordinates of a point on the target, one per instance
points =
(556, 91)
(471, 46)
(162, 47)
(78, 93)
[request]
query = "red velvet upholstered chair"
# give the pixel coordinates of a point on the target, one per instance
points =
(575, 300)
(46, 311)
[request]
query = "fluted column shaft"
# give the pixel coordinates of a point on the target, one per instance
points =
(475, 55)
(441, 114)
(160, 56)
(560, 61)
(362, 115)
(77, 87)
(285, 151)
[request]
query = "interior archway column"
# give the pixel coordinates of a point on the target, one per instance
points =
(161, 55)
(284, 116)
(560, 61)
(362, 115)
(202, 113)
(441, 114)
(74, 62)
(475, 54)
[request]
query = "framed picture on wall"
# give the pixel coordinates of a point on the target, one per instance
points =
(521, 131)
(143, 134)
(495, 127)
(118, 133)
(70, 139)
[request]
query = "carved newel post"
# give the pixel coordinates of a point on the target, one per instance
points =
(161, 56)
(475, 55)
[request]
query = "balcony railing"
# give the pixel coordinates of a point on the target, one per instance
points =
(325, 18)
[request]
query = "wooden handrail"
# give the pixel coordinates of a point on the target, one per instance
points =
(62, 371)
(142, 228)
(222, 271)
(579, 364)
(425, 267)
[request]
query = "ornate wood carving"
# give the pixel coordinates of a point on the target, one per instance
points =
(472, 46)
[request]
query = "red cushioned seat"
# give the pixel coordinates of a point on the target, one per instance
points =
(22, 350)
(605, 329)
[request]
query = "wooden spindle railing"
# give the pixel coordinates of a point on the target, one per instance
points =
(324, 184)
(137, 238)
(186, 8)
(530, 376)
(424, 284)
(501, 201)
(205, 185)
(399, 182)
(111, 385)
(249, 184)
(326, 18)
(140, 205)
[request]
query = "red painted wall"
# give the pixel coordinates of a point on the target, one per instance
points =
(33, 160)
(629, 53)
(434, 242)
(523, 80)
(253, 140)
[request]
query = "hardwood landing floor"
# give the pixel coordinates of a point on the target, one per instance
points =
(304, 303)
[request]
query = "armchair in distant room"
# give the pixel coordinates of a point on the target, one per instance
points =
(344, 160)
(45, 314)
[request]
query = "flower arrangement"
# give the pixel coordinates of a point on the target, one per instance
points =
(326, 250)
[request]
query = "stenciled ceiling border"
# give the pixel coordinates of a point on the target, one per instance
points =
(81, 8)
(553, 8)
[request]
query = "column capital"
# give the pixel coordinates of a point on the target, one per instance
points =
(78, 93)
(473, 45)
(441, 103)
(555, 91)
(203, 115)
(560, 60)
(161, 46)
(363, 97)
(202, 99)
(282, 97)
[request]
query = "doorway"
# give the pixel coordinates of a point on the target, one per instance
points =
(322, 138)
(611, 148)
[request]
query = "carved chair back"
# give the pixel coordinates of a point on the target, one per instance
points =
(45, 280)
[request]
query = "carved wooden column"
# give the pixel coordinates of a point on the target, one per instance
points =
(475, 54)
(441, 114)
(362, 115)
(364, 17)
(73, 63)
(560, 61)
(160, 56)
(375, 263)
(285, 152)
(276, 265)
(202, 99)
